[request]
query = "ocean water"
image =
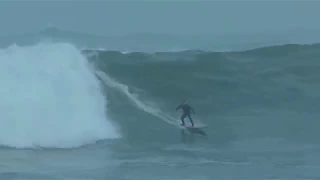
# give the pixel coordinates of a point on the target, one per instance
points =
(70, 114)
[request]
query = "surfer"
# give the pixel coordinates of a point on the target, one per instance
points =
(186, 112)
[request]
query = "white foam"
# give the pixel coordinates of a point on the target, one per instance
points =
(50, 98)
(146, 107)
(134, 99)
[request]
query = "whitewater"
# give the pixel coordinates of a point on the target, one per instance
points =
(51, 98)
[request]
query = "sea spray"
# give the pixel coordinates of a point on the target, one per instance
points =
(50, 98)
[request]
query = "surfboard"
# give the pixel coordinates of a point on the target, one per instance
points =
(189, 126)
(196, 129)
(196, 126)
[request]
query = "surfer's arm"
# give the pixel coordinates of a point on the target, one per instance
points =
(178, 107)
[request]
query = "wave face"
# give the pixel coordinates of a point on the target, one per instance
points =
(50, 98)
(266, 92)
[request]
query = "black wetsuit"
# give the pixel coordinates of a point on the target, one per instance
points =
(186, 112)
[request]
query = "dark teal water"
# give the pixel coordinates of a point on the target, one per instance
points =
(261, 107)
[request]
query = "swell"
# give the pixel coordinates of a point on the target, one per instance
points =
(276, 82)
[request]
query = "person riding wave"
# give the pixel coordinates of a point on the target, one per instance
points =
(186, 112)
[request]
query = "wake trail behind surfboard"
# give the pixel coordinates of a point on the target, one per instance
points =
(108, 81)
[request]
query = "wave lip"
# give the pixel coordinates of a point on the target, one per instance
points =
(51, 98)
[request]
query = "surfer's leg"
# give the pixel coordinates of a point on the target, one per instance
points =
(182, 119)
(189, 116)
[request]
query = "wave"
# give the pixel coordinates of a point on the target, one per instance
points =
(58, 96)
(51, 98)
(261, 83)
